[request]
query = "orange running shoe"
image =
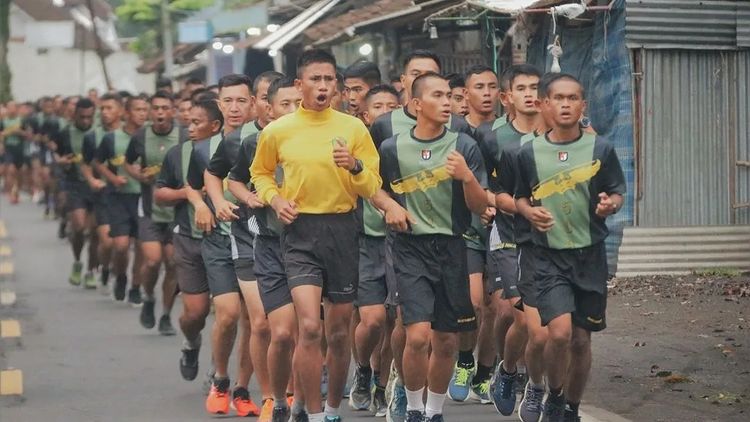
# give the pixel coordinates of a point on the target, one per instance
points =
(243, 404)
(266, 411)
(217, 402)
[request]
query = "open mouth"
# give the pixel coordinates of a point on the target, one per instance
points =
(321, 98)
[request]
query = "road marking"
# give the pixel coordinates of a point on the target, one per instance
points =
(6, 268)
(10, 328)
(3, 230)
(595, 414)
(7, 298)
(11, 382)
(5, 250)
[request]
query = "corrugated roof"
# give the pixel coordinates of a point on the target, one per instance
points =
(44, 10)
(512, 6)
(338, 24)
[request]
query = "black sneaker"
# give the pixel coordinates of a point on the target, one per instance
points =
(104, 276)
(280, 414)
(189, 363)
(435, 418)
(148, 320)
(134, 297)
(554, 409)
(300, 417)
(571, 415)
(415, 416)
(62, 231)
(120, 289)
(360, 395)
(165, 326)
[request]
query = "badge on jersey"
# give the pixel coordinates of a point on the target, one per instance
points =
(426, 154)
(562, 155)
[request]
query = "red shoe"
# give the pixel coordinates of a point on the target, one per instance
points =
(243, 404)
(217, 402)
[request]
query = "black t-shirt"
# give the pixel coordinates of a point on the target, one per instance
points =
(173, 175)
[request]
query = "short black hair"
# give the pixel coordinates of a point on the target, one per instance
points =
(418, 85)
(268, 76)
(198, 92)
(422, 54)
(517, 70)
(194, 81)
(277, 84)
(161, 94)
(381, 89)
(314, 56)
(163, 83)
(124, 94)
(111, 97)
(84, 104)
(455, 80)
(211, 107)
(365, 70)
(550, 80)
(477, 69)
(340, 82)
(214, 86)
(236, 79)
(394, 78)
(133, 98)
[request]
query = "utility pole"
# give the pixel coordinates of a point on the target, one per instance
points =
(166, 30)
(98, 44)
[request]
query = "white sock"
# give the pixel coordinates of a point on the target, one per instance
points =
(331, 411)
(414, 399)
(434, 403)
(315, 417)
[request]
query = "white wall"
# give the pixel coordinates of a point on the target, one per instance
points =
(60, 71)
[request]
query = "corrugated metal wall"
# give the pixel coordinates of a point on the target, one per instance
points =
(687, 24)
(743, 24)
(695, 115)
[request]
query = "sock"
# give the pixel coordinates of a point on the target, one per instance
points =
(298, 406)
(331, 411)
(376, 377)
(148, 297)
(507, 372)
(434, 403)
(556, 395)
(466, 358)
(573, 407)
(535, 385)
(315, 417)
(414, 399)
(280, 403)
(122, 278)
(192, 344)
(483, 374)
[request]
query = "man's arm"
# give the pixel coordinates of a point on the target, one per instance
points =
(169, 190)
(263, 171)
(538, 216)
(215, 190)
(366, 181)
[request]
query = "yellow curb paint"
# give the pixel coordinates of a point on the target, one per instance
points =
(7, 298)
(6, 268)
(5, 250)
(10, 328)
(11, 382)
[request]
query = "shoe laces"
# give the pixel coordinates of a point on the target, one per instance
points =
(533, 399)
(462, 376)
(506, 385)
(482, 388)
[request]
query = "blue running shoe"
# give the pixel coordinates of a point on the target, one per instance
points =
(503, 391)
(458, 389)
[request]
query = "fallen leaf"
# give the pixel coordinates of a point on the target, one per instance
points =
(664, 374)
(676, 379)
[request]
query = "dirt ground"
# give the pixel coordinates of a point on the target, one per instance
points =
(676, 349)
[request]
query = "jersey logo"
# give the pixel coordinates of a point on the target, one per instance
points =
(566, 180)
(117, 161)
(562, 155)
(420, 181)
(162, 148)
(426, 154)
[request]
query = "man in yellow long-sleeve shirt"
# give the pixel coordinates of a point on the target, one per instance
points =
(328, 159)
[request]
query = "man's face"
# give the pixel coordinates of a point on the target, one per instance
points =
(481, 93)
(201, 127)
(111, 113)
(183, 111)
(162, 114)
(317, 85)
(94, 95)
(565, 103)
(11, 109)
(48, 107)
(25, 110)
(236, 105)
(190, 88)
(378, 105)
(416, 68)
(434, 104)
(523, 94)
(355, 92)
(398, 85)
(261, 102)
(458, 101)
(84, 118)
(58, 105)
(138, 113)
(285, 102)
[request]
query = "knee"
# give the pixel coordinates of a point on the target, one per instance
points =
(338, 337)
(260, 327)
(310, 331)
(373, 323)
(150, 263)
(418, 342)
(282, 337)
(559, 336)
(580, 344)
(227, 317)
(537, 338)
(195, 315)
(445, 347)
(121, 247)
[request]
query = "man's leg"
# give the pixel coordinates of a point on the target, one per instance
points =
(77, 218)
(466, 368)
(416, 364)
(309, 369)
(93, 252)
(338, 357)
(260, 335)
(283, 325)
(152, 257)
(168, 291)
(442, 359)
(195, 309)
(245, 367)
(580, 367)
(105, 251)
(227, 314)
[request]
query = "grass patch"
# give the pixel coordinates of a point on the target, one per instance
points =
(718, 272)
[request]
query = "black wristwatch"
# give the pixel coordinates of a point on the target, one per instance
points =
(358, 167)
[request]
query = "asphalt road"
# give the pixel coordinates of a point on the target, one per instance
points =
(86, 358)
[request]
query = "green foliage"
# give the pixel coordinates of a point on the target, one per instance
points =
(147, 11)
(718, 272)
(147, 43)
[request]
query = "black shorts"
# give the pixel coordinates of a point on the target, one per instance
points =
(14, 156)
(476, 261)
(79, 196)
(101, 208)
(573, 281)
(216, 250)
(269, 270)
(323, 250)
(503, 272)
(242, 250)
(433, 282)
(123, 214)
(189, 268)
(526, 269)
(150, 231)
(373, 288)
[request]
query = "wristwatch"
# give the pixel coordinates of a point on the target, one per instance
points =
(358, 167)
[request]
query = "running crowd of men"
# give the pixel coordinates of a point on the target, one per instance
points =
(329, 216)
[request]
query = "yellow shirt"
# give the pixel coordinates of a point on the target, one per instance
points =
(302, 143)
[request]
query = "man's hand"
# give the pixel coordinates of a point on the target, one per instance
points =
(342, 157)
(97, 184)
(120, 181)
(398, 219)
(541, 219)
(147, 176)
(286, 211)
(253, 201)
(225, 211)
(606, 206)
(457, 168)
(204, 218)
(488, 215)
(66, 160)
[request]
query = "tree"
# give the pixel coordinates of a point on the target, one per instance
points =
(5, 75)
(98, 41)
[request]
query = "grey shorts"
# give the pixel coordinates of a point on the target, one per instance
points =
(269, 270)
(242, 250)
(476, 261)
(216, 250)
(149, 231)
(503, 272)
(526, 268)
(123, 214)
(189, 269)
(373, 288)
(78, 196)
(102, 208)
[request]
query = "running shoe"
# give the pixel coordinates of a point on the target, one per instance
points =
(503, 391)
(62, 229)
(148, 320)
(480, 392)
(299, 417)
(104, 277)
(332, 419)
(242, 403)
(530, 409)
(266, 411)
(397, 404)
(435, 418)
(89, 280)
(209, 381)
(134, 297)
(280, 414)
(360, 396)
(571, 415)
(217, 402)
(379, 405)
(120, 289)
(324, 383)
(415, 416)
(75, 274)
(554, 408)
(165, 326)
(189, 362)
(458, 389)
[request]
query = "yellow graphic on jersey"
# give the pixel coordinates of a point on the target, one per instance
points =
(421, 181)
(10, 130)
(152, 170)
(117, 161)
(566, 180)
(76, 158)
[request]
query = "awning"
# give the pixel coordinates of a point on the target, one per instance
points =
(511, 6)
(290, 30)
